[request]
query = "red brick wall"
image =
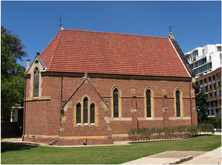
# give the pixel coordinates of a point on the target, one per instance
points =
(43, 117)
(36, 118)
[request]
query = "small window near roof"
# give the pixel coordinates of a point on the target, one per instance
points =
(36, 82)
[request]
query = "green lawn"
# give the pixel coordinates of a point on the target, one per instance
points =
(21, 154)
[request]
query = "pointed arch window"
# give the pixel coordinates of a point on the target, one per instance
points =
(116, 103)
(178, 106)
(85, 110)
(78, 113)
(148, 103)
(92, 113)
(36, 82)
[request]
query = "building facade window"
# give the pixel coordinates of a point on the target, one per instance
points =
(178, 106)
(36, 82)
(92, 113)
(218, 84)
(148, 103)
(116, 103)
(220, 58)
(85, 110)
(209, 79)
(78, 113)
(206, 89)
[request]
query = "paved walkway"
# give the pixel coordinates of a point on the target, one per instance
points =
(172, 157)
(19, 140)
(212, 157)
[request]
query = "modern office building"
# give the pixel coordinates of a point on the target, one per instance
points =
(205, 59)
(210, 83)
(206, 62)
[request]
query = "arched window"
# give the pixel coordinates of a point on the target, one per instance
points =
(36, 82)
(85, 110)
(92, 113)
(78, 113)
(116, 103)
(148, 103)
(178, 103)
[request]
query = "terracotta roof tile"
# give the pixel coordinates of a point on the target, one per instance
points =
(112, 53)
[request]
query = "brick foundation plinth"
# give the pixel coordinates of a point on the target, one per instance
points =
(120, 139)
(62, 142)
(38, 139)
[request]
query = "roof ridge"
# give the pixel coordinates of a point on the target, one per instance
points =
(60, 33)
(91, 31)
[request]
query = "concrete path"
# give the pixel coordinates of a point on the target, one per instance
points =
(212, 157)
(19, 140)
(172, 157)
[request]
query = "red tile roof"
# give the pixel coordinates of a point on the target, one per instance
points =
(81, 51)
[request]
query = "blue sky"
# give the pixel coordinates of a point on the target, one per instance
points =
(37, 22)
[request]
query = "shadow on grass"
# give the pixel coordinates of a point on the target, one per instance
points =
(9, 146)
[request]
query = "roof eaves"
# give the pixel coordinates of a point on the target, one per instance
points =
(181, 55)
(41, 62)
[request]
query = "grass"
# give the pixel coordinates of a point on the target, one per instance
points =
(23, 154)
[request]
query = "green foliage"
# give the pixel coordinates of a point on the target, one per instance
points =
(216, 121)
(169, 133)
(14, 44)
(23, 154)
(202, 109)
(12, 74)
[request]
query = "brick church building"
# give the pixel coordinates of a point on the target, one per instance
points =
(90, 87)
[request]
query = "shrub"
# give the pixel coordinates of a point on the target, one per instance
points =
(216, 121)
(205, 128)
(159, 133)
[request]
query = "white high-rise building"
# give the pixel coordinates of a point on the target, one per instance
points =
(205, 59)
(206, 62)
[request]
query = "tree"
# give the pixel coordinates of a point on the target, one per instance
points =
(14, 44)
(12, 73)
(202, 109)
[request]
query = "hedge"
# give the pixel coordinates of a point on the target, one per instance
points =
(216, 121)
(168, 133)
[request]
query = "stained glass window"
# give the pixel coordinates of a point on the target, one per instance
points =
(85, 110)
(78, 113)
(178, 103)
(116, 102)
(92, 113)
(148, 103)
(36, 83)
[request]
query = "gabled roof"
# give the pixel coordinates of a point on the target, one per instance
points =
(80, 51)
(40, 60)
